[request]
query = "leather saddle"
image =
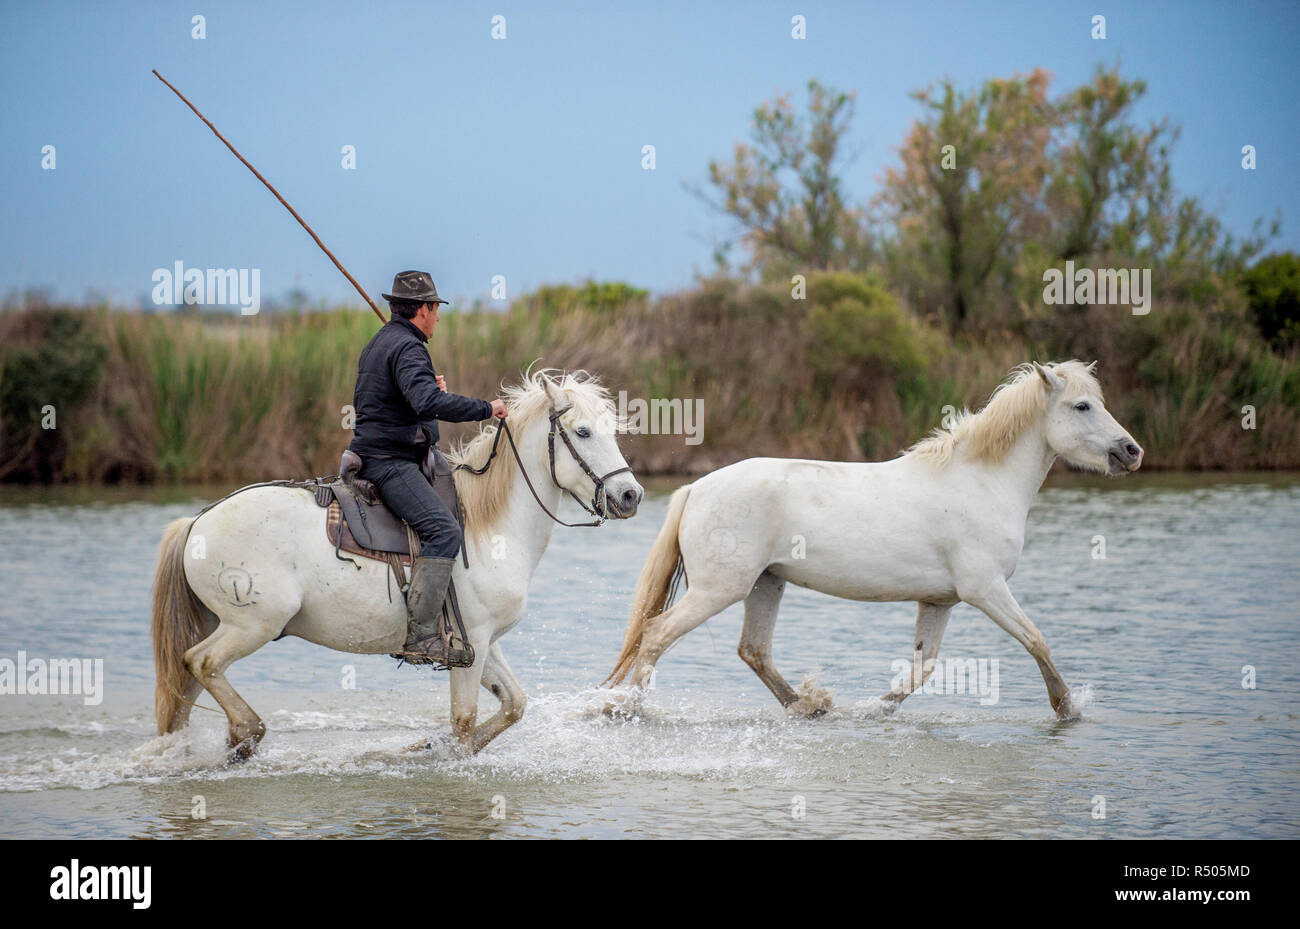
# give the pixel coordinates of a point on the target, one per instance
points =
(358, 522)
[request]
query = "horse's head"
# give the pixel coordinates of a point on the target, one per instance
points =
(585, 459)
(1078, 427)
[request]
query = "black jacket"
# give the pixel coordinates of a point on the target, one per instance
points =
(397, 400)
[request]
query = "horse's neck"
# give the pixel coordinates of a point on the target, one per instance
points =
(530, 523)
(1022, 472)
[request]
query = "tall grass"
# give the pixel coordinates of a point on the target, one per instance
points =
(845, 373)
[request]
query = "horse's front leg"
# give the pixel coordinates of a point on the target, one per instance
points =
(500, 681)
(464, 699)
(997, 602)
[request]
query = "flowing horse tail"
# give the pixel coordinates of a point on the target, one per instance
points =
(178, 624)
(656, 586)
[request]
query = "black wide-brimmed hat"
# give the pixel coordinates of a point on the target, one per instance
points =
(415, 286)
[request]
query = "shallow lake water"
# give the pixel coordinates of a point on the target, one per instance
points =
(1196, 600)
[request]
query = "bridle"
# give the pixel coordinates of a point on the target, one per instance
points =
(599, 499)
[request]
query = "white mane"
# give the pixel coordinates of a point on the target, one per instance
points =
(485, 496)
(989, 434)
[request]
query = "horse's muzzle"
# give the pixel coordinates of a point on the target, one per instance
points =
(624, 505)
(1125, 455)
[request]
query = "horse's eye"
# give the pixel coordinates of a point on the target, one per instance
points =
(584, 432)
(1083, 406)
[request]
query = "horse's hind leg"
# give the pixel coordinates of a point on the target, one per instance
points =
(931, 621)
(695, 606)
(756, 639)
(208, 661)
(192, 687)
(182, 717)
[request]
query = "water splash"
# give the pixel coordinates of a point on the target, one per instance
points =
(812, 700)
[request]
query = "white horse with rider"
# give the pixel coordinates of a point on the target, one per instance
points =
(943, 523)
(271, 540)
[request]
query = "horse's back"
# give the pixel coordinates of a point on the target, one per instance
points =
(260, 559)
(800, 487)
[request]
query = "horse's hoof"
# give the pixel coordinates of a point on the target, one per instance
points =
(242, 751)
(439, 745)
(1065, 709)
(810, 701)
(622, 704)
(887, 705)
(244, 740)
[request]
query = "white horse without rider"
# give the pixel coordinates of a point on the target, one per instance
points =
(943, 523)
(267, 569)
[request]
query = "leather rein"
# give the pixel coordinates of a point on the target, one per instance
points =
(599, 500)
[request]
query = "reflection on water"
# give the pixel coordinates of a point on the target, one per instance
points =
(1199, 585)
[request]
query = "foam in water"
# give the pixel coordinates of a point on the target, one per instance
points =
(564, 736)
(873, 708)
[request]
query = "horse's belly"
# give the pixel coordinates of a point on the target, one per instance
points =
(362, 628)
(861, 579)
(865, 549)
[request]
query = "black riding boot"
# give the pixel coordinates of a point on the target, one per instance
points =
(429, 638)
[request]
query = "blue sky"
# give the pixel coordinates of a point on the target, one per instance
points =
(522, 157)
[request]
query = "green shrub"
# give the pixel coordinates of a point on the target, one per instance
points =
(596, 296)
(57, 362)
(1272, 288)
(858, 333)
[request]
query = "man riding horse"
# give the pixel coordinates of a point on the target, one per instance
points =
(399, 399)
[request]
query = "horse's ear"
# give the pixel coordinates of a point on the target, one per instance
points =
(553, 391)
(1092, 368)
(1053, 381)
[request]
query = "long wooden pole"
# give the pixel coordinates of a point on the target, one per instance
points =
(302, 222)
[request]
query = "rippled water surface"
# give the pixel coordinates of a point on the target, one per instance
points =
(1200, 583)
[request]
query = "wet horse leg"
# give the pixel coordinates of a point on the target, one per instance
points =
(997, 601)
(664, 630)
(931, 621)
(208, 662)
(756, 635)
(500, 681)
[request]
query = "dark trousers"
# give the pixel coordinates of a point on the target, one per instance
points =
(406, 492)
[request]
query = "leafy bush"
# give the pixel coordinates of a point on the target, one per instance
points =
(596, 296)
(55, 363)
(1272, 288)
(858, 333)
